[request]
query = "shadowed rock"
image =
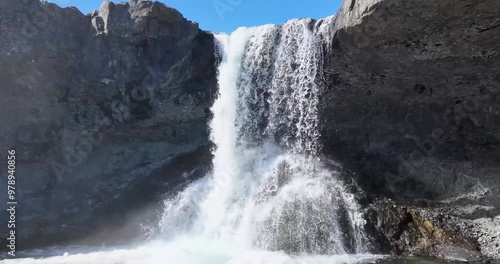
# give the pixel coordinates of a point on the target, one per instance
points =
(410, 101)
(94, 106)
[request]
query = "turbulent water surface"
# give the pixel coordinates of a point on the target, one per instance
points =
(269, 199)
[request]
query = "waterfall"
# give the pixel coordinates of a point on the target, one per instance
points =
(269, 198)
(269, 190)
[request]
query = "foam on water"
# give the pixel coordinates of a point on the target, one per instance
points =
(196, 251)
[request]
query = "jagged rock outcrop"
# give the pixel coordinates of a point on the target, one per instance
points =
(411, 103)
(102, 109)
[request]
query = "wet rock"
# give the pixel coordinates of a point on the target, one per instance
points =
(411, 231)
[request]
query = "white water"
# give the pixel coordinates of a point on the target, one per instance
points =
(192, 252)
(269, 198)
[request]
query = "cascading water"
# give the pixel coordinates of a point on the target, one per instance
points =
(268, 189)
(269, 199)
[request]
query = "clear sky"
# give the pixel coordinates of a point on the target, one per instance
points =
(227, 15)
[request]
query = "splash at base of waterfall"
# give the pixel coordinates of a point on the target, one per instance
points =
(279, 202)
(188, 251)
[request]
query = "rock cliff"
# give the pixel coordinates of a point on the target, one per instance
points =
(411, 105)
(102, 109)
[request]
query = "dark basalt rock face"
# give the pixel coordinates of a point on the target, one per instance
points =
(411, 105)
(103, 110)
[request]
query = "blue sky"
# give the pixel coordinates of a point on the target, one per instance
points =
(227, 15)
